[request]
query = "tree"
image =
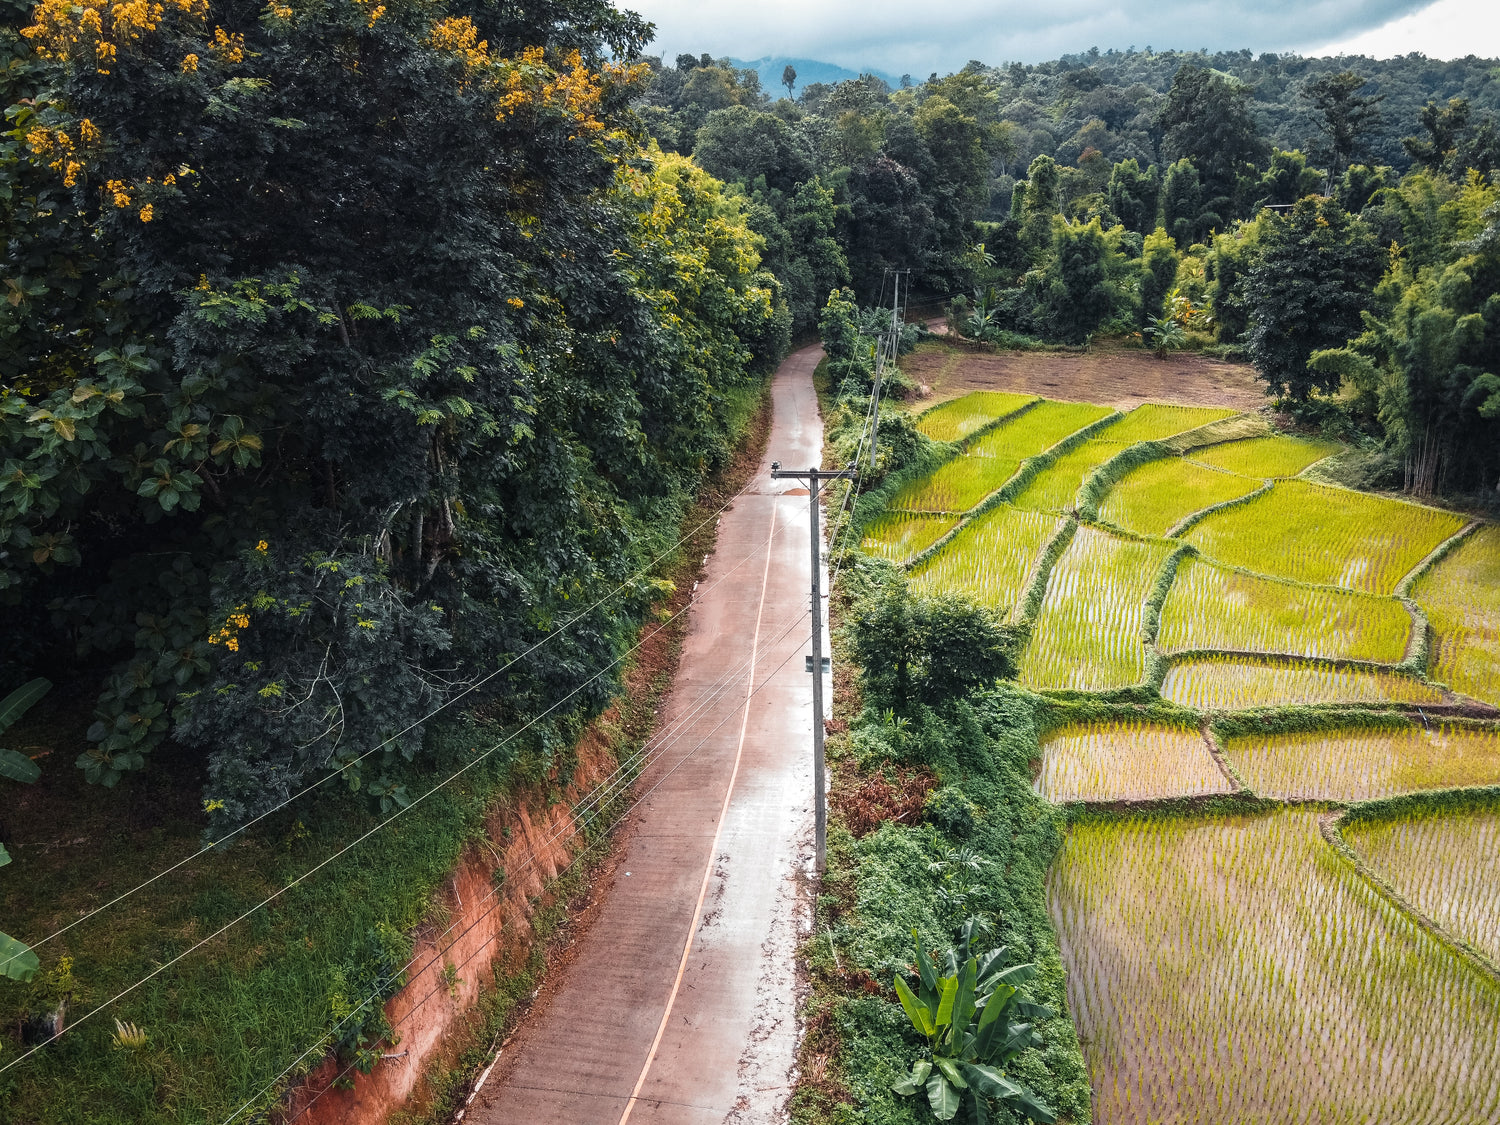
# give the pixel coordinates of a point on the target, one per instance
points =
(1076, 296)
(1288, 179)
(1158, 272)
(1445, 127)
(1207, 119)
(1182, 202)
(1345, 117)
(1134, 195)
(789, 79)
(1313, 278)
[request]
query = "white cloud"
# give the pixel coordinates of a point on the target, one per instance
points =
(1448, 29)
(904, 38)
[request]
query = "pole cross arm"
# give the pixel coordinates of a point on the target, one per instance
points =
(814, 475)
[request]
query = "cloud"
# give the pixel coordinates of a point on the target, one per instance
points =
(1448, 29)
(900, 37)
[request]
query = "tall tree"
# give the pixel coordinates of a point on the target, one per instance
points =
(789, 79)
(1207, 119)
(1345, 117)
(1133, 195)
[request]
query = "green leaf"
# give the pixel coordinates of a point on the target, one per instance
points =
(4, 856)
(18, 767)
(942, 1097)
(988, 1080)
(945, 1003)
(963, 1003)
(1028, 1105)
(950, 1070)
(920, 1017)
(17, 961)
(924, 964)
(18, 702)
(915, 1080)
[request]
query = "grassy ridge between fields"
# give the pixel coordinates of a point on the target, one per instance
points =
(222, 1025)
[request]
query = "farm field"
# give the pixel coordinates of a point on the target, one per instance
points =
(1157, 496)
(1055, 488)
(1088, 633)
(990, 560)
(956, 486)
(956, 420)
(1235, 970)
(1127, 761)
(1461, 594)
(1360, 765)
(1446, 863)
(1214, 608)
(1276, 456)
(1326, 536)
(1233, 683)
(1038, 430)
(1154, 421)
(901, 536)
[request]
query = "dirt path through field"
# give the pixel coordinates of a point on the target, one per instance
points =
(1118, 377)
(680, 1005)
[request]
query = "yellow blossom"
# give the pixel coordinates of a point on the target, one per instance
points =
(189, 64)
(263, 546)
(147, 214)
(229, 48)
(515, 302)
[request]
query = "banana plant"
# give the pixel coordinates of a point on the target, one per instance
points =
(17, 961)
(14, 764)
(975, 1021)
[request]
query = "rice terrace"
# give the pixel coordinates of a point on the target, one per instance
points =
(1273, 739)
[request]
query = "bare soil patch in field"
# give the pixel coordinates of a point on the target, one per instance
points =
(1119, 377)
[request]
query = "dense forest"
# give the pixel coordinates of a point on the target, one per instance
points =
(359, 347)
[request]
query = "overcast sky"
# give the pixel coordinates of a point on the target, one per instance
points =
(900, 37)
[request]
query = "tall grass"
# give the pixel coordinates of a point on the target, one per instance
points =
(1212, 607)
(1461, 595)
(1233, 683)
(990, 560)
(1276, 456)
(1088, 633)
(1361, 765)
(1233, 970)
(1127, 761)
(1155, 497)
(957, 419)
(1330, 536)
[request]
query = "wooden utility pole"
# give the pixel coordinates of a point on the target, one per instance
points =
(817, 663)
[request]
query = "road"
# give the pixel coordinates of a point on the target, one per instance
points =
(680, 1003)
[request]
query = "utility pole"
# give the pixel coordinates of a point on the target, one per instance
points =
(817, 663)
(889, 342)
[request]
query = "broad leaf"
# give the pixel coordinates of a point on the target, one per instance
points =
(16, 704)
(920, 1017)
(988, 1080)
(963, 1003)
(18, 767)
(915, 1080)
(945, 1004)
(4, 856)
(950, 1070)
(942, 1097)
(16, 960)
(1024, 1103)
(924, 964)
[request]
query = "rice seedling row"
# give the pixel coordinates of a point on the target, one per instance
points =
(956, 420)
(1055, 488)
(901, 536)
(1446, 863)
(1038, 430)
(1361, 765)
(1215, 608)
(1323, 535)
(990, 560)
(1127, 761)
(1237, 971)
(1154, 421)
(956, 486)
(1461, 595)
(1276, 456)
(1154, 498)
(1232, 683)
(1087, 635)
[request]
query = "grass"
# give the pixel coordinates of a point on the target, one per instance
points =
(1211, 607)
(1055, 488)
(1276, 456)
(901, 536)
(1155, 497)
(1233, 683)
(990, 560)
(1361, 765)
(1127, 761)
(1234, 970)
(956, 486)
(1461, 595)
(957, 419)
(1445, 863)
(1088, 633)
(1329, 536)
(1038, 430)
(1154, 421)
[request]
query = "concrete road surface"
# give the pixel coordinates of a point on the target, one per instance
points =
(680, 1005)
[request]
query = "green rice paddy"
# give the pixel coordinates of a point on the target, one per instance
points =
(1155, 421)
(956, 486)
(1055, 488)
(1234, 683)
(901, 536)
(1038, 430)
(1154, 498)
(1127, 761)
(990, 560)
(1275, 456)
(1461, 595)
(1328, 536)
(956, 420)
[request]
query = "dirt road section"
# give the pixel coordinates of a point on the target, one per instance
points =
(680, 1004)
(1119, 377)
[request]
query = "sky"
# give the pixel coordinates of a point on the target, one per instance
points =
(899, 37)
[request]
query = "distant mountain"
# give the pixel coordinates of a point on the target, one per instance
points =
(808, 72)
